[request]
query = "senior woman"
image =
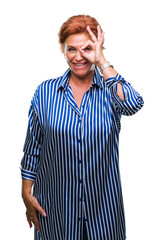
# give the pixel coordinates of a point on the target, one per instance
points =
(71, 183)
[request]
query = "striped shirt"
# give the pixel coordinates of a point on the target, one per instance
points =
(72, 156)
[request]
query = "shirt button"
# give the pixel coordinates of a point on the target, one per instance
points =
(80, 161)
(80, 180)
(79, 219)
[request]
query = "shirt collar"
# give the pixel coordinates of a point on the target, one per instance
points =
(97, 79)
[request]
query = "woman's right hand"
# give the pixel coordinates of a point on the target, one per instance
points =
(32, 206)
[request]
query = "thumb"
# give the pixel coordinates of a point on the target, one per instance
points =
(38, 207)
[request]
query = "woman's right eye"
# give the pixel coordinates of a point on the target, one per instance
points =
(71, 49)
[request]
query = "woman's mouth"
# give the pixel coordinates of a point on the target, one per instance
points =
(80, 65)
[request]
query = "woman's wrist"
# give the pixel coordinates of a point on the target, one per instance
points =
(101, 63)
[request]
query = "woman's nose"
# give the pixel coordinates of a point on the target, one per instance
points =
(78, 56)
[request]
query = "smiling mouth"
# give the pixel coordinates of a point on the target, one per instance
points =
(80, 65)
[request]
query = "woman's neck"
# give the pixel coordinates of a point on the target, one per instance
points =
(81, 81)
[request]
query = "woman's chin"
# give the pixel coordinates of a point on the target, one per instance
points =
(83, 72)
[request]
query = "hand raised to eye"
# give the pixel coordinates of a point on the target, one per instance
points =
(92, 49)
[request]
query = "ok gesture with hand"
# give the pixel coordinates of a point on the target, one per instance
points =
(92, 49)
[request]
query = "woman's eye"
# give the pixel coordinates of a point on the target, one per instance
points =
(87, 49)
(71, 50)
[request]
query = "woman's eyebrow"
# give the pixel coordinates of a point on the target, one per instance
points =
(70, 46)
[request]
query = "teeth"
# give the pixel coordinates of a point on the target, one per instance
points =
(79, 64)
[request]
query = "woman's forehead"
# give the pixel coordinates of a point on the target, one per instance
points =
(77, 39)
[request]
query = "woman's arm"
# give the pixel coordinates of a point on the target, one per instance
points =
(30, 163)
(132, 101)
(109, 72)
(33, 142)
(127, 100)
(26, 187)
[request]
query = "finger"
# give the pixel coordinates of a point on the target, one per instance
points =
(93, 37)
(99, 33)
(36, 223)
(86, 48)
(102, 38)
(32, 218)
(29, 220)
(89, 43)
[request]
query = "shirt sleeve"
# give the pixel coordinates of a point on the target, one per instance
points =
(132, 102)
(33, 143)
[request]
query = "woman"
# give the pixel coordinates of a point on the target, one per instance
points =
(71, 148)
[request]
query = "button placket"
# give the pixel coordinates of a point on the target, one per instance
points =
(81, 197)
(80, 180)
(79, 129)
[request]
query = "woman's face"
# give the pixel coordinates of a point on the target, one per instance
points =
(79, 65)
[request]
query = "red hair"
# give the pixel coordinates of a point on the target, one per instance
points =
(76, 24)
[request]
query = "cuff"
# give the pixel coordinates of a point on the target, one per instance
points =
(112, 83)
(113, 80)
(28, 174)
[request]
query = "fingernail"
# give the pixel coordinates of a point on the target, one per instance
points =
(44, 214)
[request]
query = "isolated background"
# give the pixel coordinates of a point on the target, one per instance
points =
(30, 54)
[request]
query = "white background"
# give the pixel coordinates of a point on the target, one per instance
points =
(30, 54)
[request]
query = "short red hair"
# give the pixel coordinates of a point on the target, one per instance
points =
(76, 24)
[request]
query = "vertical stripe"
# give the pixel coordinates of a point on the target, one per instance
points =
(72, 156)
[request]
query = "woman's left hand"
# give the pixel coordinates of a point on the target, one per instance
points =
(92, 50)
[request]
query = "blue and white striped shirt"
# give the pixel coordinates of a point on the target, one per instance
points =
(71, 154)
